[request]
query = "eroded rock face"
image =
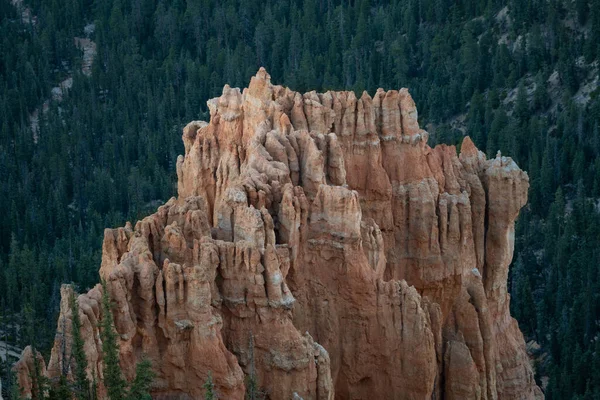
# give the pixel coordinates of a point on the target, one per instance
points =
(26, 368)
(318, 241)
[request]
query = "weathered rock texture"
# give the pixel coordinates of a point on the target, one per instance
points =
(26, 369)
(320, 242)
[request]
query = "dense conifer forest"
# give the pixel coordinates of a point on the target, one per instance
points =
(518, 76)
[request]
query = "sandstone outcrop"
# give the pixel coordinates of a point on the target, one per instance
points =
(319, 243)
(26, 368)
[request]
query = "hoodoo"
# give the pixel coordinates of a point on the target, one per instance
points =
(318, 243)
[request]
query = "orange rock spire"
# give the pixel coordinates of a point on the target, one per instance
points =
(319, 241)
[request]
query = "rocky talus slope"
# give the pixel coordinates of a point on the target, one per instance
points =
(320, 242)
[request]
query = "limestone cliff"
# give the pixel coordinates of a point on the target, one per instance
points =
(318, 240)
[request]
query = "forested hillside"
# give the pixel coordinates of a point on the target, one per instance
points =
(517, 76)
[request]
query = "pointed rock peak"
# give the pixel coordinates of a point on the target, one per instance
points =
(260, 86)
(351, 97)
(471, 156)
(263, 74)
(406, 99)
(468, 148)
(380, 94)
(391, 94)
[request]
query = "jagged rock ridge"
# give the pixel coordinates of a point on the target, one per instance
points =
(320, 242)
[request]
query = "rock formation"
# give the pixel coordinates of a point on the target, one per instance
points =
(319, 243)
(26, 369)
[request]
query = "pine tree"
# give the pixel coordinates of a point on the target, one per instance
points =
(82, 383)
(251, 381)
(113, 380)
(140, 387)
(39, 382)
(582, 11)
(209, 387)
(15, 390)
(94, 393)
(253, 391)
(521, 106)
(540, 95)
(61, 391)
